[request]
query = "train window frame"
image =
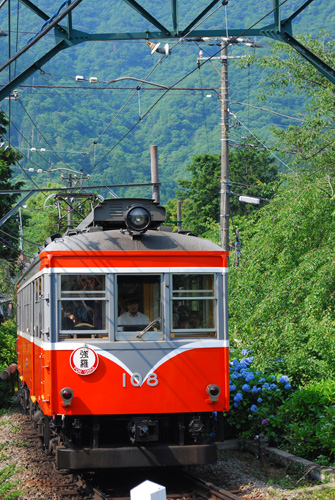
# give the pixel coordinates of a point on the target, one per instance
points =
(156, 332)
(185, 296)
(83, 330)
(38, 310)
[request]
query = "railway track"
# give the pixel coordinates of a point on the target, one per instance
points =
(182, 487)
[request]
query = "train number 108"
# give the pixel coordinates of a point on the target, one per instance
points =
(136, 380)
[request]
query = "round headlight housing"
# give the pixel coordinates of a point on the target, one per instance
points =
(213, 391)
(138, 219)
(66, 395)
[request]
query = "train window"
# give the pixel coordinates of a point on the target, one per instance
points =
(193, 305)
(139, 307)
(38, 307)
(82, 306)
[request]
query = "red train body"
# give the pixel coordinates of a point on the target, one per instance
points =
(104, 393)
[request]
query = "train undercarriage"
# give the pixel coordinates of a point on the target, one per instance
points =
(120, 441)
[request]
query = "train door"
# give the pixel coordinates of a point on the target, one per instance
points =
(37, 329)
(27, 343)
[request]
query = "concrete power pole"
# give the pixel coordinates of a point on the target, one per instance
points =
(224, 181)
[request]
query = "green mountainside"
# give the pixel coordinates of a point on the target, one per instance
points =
(117, 124)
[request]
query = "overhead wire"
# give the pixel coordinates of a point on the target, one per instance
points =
(139, 87)
(19, 237)
(24, 138)
(38, 130)
(174, 85)
(260, 142)
(186, 76)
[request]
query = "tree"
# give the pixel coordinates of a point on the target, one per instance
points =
(8, 157)
(310, 143)
(282, 296)
(252, 171)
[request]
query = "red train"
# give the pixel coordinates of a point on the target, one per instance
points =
(121, 351)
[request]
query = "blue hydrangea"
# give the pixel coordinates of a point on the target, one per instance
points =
(261, 380)
(284, 379)
(255, 389)
(273, 387)
(253, 408)
(287, 386)
(232, 387)
(259, 400)
(265, 385)
(249, 377)
(244, 352)
(246, 387)
(238, 397)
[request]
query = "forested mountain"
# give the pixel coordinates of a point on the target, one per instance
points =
(117, 124)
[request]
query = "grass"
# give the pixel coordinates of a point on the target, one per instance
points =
(8, 486)
(326, 494)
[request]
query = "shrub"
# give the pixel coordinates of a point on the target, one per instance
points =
(7, 343)
(254, 397)
(305, 423)
(7, 356)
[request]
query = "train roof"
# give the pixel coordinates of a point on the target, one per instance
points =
(118, 240)
(106, 229)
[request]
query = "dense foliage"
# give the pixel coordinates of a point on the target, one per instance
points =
(7, 356)
(67, 120)
(252, 171)
(282, 301)
(8, 158)
(301, 421)
(305, 424)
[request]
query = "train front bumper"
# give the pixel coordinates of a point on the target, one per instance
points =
(135, 456)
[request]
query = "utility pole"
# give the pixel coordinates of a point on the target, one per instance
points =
(224, 181)
(69, 200)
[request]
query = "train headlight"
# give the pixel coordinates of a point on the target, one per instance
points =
(213, 391)
(67, 395)
(138, 219)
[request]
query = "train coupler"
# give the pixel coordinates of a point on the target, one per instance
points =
(143, 430)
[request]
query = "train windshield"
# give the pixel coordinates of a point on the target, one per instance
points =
(82, 306)
(139, 307)
(193, 308)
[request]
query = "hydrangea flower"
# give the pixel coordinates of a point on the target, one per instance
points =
(249, 377)
(238, 397)
(284, 379)
(265, 421)
(232, 387)
(259, 400)
(253, 408)
(244, 352)
(287, 386)
(273, 387)
(255, 389)
(246, 387)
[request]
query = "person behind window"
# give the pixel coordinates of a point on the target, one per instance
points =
(69, 321)
(132, 316)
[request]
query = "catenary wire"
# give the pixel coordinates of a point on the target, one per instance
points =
(38, 130)
(181, 79)
(258, 140)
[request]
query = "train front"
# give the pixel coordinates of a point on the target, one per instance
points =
(130, 364)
